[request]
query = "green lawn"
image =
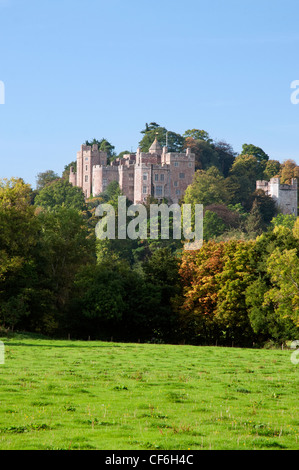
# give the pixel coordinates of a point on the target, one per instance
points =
(95, 395)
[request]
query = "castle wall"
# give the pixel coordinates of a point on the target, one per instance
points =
(157, 173)
(288, 198)
(285, 195)
(126, 180)
(102, 176)
(142, 182)
(182, 168)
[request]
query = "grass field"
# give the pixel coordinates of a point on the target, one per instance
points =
(94, 395)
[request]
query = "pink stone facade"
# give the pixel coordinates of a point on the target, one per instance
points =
(157, 173)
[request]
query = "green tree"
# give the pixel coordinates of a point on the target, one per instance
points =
(283, 269)
(272, 169)
(254, 222)
(175, 141)
(197, 134)
(162, 274)
(45, 178)
(213, 225)
(285, 220)
(245, 171)
(205, 154)
(237, 274)
(104, 145)
(64, 246)
(18, 238)
(207, 188)
(250, 149)
(61, 193)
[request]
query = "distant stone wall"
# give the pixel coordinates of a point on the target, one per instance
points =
(285, 195)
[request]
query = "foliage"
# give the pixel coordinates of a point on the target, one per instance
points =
(60, 193)
(206, 188)
(151, 132)
(45, 178)
(250, 149)
(285, 220)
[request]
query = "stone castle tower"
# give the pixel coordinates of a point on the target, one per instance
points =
(285, 195)
(157, 173)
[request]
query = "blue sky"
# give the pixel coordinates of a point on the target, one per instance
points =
(74, 70)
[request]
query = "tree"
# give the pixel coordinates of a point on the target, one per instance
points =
(45, 178)
(154, 131)
(199, 272)
(264, 317)
(238, 272)
(286, 220)
(266, 205)
(257, 152)
(64, 246)
(226, 156)
(205, 154)
(283, 268)
(207, 188)
(289, 169)
(104, 145)
(254, 222)
(213, 225)
(61, 193)
(197, 134)
(272, 169)
(18, 238)
(161, 272)
(246, 170)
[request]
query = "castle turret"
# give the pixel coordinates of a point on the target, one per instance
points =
(72, 176)
(155, 148)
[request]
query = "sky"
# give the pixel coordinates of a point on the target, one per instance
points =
(74, 70)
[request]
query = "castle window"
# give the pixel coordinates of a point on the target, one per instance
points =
(86, 178)
(86, 159)
(156, 177)
(182, 175)
(162, 177)
(190, 165)
(175, 183)
(159, 190)
(176, 163)
(104, 182)
(178, 192)
(131, 176)
(144, 176)
(86, 167)
(144, 189)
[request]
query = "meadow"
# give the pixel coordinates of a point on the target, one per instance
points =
(60, 395)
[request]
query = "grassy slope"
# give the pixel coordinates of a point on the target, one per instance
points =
(95, 395)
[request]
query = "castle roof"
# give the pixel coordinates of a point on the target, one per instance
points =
(155, 147)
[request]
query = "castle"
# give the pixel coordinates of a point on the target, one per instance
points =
(156, 173)
(285, 195)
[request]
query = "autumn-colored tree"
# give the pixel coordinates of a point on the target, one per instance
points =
(198, 272)
(289, 169)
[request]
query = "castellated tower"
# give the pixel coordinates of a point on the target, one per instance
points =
(157, 173)
(285, 195)
(87, 158)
